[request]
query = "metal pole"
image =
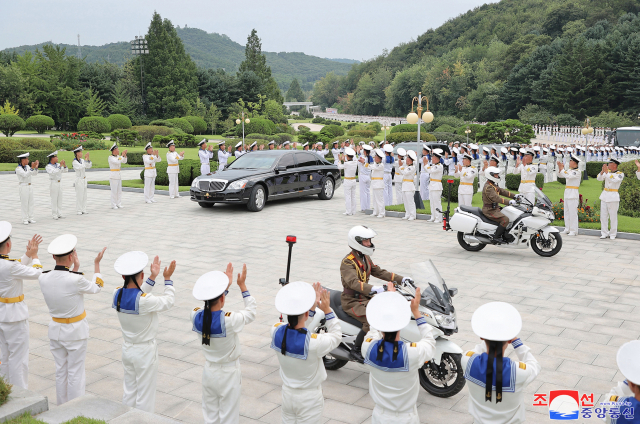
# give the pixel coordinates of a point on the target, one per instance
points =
(243, 151)
(416, 196)
(289, 260)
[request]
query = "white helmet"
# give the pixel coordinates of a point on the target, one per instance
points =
(492, 173)
(357, 235)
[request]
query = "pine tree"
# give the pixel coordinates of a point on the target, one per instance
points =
(94, 104)
(122, 102)
(256, 62)
(295, 93)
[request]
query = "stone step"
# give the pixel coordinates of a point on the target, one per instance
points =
(91, 406)
(21, 401)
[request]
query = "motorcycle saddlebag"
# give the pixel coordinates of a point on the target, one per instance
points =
(463, 222)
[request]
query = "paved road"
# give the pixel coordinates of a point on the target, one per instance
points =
(577, 307)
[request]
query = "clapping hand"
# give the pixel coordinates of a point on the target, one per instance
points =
(32, 246)
(604, 169)
(486, 164)
(560, 166)
(124, 153)
(182, 153)
(168, 271)
(361, 160)
(63, 163)
(96, 261)
(242, 278)
(86, 156)
(155, 268)
(415, 304)
(229, 273)
(210, 148)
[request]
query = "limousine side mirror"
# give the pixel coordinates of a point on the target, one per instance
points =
(281, 168)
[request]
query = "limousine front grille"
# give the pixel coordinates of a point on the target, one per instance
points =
(212, 185)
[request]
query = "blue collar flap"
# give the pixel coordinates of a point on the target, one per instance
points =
(401, 364)
(476, 372)
(218, 329)
(130, 302)
(297, 343)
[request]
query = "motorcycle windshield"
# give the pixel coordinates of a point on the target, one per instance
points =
(542, 198)
(435, 294)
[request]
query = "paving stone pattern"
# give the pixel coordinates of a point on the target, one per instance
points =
(578, 307)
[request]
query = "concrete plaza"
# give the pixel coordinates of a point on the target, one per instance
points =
(578, 307)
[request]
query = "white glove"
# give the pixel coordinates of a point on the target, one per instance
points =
(405, 279)
(377, 289)
(512, 202)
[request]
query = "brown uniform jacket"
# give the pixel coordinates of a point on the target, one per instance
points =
(492, 197)
(355, 276)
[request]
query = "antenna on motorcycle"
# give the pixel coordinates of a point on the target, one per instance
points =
(447, 213)
(291, 240)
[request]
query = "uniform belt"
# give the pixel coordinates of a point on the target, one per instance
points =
(466, 184)
(387, 172)
(407, 181)
(615, 190)
(149, 167)
(70, 320)
(527, 181)
(12, 299)
(543, 163)
(115, 169)
(573, 187)
(435, 181)
(377, 178)
(173, 164)
(349, 178)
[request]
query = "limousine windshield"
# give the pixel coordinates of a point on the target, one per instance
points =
(254, 160)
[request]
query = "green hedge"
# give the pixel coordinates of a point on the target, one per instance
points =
(332, 130)
(594, 168)
(125, 137)
(408, 128)
(180, 140)
(198, 124)
(512, 181)
(454, 187)
(257, 126)
(362, 133)
(94, 123)
(629, 190)
(119, 122)
(147, 132)
(189, 170)
(135, 158)
(10, 124)
(399, 137)
(181, 123)
(10, 156)
(40, 123)
(35, 143)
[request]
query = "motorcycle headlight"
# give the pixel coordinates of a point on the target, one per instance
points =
(446, 321)
(238, 185)
(194, 183)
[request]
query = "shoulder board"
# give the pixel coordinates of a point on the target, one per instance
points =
(15, 260)
(613, 398)
(523, 366)
(228, 314)
(196, 309)
(350, 256)
(76, 272)
(470, 353)
(277, 324)
(118, 287)
(414, 344)
(473, 167)
(618, 172)
(314, 336)
(44, 272)
(368, 340)
(144, 294)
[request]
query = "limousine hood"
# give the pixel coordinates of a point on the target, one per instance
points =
(234, 174)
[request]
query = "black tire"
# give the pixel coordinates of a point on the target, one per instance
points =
(546, 248)
(257, 199)
(328, 187)
(467, 246)
(331, 363)
(205, 204)
(444, 380)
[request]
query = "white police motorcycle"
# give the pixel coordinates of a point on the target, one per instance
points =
(443, 375)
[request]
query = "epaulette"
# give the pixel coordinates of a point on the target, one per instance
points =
(414, 344)
(613, 398)
(473, 167)
(44, 272)
(144, 294)
(196, 309)
(368, 340)
(350, 256)
(77, 272)
(277, 324)
(470, 353)
(15, 260)
(523, 366)
(118, 287)
(228, 314)
(314, 336)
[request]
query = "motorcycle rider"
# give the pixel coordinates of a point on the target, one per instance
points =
(355, 270)
(491, 197)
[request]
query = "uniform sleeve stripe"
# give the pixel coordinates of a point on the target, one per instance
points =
(421, 320)
(312, 313)
(168, 283)
(151, 282)
(517, 343)
(246, 293)
(329, 316)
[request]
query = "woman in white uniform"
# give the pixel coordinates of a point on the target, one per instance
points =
(80, 167)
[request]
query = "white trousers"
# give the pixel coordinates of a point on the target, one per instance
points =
(26, 201)
(81, 195)
(55, 190)
(302, 406)
(365, 192)
(205, 168)
(378, 202)
(140, 362)
(14, 346)
(543, 171)
(116, 192)
(409, 205)
(221, 392)
(384, 416)
(531, 196)
(388, 189)
(609, 211)
(424, 186)
(173, 185)
(399, 196)
(350, 197)
(465, 199)
(571, 215)
(481, 182)
(149, 188)
(435, 201)
(69, 357)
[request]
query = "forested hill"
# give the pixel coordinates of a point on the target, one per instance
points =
(218, 51)
(469, 65)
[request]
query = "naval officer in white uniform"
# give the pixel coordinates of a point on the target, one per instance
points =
(150, 159)
(173, 169)
(223, 155)
(350, 166)
(115, 179)
(80, 167)
(55, 170)
(138, 316)
(24, 173)
(219, 332)
(63, 289)
(528, 172)
(498, 398)
(14, 315)
(300, 353)
(610, 198)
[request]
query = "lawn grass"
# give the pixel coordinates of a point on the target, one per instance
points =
(589, 189)
(26, 418)
(138, 184)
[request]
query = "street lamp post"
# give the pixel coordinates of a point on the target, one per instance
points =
(467, 132)
(586, 130)
(385, 128)
(506, 136)
(415, 118)
(242, 121)
(139, 48)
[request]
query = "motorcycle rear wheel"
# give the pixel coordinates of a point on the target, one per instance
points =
(446, 380)
(467, 246)
(332, 363)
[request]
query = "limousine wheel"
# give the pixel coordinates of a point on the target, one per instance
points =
(257, 199)
(205, 204)
(327, 189)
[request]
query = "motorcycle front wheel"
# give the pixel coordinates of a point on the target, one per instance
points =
(332, 363)
(476, 247)
(444, 380)
(546, 247)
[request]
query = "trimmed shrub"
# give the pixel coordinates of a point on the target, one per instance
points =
(512, 181)
(10, 156)
(332, 130)
(629, 190)
(40, 123)
(303, 129)
(69, 144)
(11, 144)
(147, 132)
(181, 123)
(445, 129)
(135, 158)
(189, 170)
(36, 143)
(94, 123)
(257, 126)
(449, 137)
(408, 128)
(125, 137)
(198, 124)
(10, 124)
(594, 168)
(362, 133)
(282, 137)
(454, 188)
(399, 137)
(5, 391)
(119, 122)
(161, 123)
(181, 140)
(94, 135)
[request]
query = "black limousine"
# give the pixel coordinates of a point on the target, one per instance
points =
(265, 175)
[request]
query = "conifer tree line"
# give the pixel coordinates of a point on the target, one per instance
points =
(57, 84)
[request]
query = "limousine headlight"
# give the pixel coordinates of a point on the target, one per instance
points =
(238, 185)
(194, 183)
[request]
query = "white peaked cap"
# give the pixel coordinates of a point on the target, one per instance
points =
(295, 298)
(486, 149)
(628, 359)
(253, 144)
(536, 148)
(147, 146)
(113, 147)
(388, 148)
(204, 140)
(210, 285)
(220, 143)
(53, 154)
(78, 149)
(504, 150)
(131, 263)
(412, 155)
(473, 146)
(349, 151)
(63, 244)
(425, 147)
(171, 143)
(379, 152)
(496, 321)
(401, 151)
(5, 230)
(238, 144)
(388, 311)
(24, 155)
(367, 148)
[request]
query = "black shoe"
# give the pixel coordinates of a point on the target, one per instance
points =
(497, 236)
(356, 356)
(508, 238)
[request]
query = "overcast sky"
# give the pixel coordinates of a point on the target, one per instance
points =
(353, 29)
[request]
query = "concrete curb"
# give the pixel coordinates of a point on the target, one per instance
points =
(21, 401)
(581, 231)
(134, 190)
(133, 168)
